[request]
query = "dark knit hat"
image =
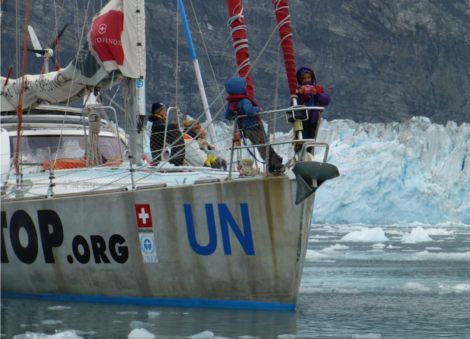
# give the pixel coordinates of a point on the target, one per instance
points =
(157, 107)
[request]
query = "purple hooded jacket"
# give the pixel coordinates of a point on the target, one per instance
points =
(319, 99)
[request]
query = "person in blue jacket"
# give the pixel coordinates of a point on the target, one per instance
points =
(250, 127)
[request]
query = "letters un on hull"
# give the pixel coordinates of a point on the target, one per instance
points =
(237, 241)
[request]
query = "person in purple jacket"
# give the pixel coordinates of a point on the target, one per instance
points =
(310, 94)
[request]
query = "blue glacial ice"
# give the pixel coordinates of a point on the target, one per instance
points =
(396, 173)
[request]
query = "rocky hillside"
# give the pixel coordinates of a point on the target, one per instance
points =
(380, 61)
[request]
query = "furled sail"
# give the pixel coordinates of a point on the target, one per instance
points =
(281, 7)
(123, 51)
(240, 42)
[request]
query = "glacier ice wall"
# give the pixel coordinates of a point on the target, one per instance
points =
(396, 173)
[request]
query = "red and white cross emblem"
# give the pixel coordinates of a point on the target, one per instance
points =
(144, 217)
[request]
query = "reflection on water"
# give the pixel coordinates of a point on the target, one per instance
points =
(391, 288)
(114, 321)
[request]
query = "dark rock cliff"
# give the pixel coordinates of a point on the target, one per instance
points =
(379, 60)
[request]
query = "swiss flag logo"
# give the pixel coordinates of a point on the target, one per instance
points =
(144, 217)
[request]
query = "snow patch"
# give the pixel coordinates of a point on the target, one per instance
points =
(153, 314)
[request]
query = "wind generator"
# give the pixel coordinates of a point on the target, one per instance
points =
(47, 52)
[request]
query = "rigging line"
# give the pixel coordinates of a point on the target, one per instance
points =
(176, 61)
(19, 108)
(205, 49)
(276, 91)
(57, 19)
(73, 76)
(17, 40)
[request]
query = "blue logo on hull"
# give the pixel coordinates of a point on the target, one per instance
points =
(226, 219)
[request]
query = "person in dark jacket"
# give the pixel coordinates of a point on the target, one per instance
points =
(173, 135)
(251, 127)
(310, 94)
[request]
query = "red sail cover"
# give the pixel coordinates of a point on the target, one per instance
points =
(281, 8)
(237, 24)
(117, 37)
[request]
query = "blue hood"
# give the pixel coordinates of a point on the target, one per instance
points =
(235, 85)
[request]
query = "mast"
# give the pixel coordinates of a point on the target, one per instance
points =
(281, 7)
(197, 70)
(240, 42)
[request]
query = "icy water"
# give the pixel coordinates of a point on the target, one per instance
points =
(358, 282)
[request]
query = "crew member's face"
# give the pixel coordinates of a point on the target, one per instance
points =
(307, 77)
(163, 112)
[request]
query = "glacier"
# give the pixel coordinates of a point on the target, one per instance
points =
(396, 173)
(391, 173)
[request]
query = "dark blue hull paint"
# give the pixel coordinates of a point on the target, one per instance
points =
(199, 303)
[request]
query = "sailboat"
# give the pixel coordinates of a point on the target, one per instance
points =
(117, 230)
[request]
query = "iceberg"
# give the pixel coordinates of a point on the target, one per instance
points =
(416, 235)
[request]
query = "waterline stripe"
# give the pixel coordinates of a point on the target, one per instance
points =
(198, 303)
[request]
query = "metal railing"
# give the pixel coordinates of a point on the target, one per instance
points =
(50, 181)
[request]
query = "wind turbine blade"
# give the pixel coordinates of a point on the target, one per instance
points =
(62, 31)
(39, 52)
(57, 67)
(54, 42)
(34, 40)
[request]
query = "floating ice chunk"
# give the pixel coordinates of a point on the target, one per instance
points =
(433, 249)
(25, 325)
(392, 247)
(409, 242)
(414, 287)
(336, 247)
(61, 335)
(378, 246)
(417, 234)
(127, 312)
(51, 322)
(366, 235)
(185, 313)
(438, 231)
(459, 288)
(56, 308)
(139, 324)
(141, 333)
(313, 240)
(203, 335)
(247, 337)
(367, 336)
(314, 256)
(117, 321)
(286, 336)
(153, 314)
